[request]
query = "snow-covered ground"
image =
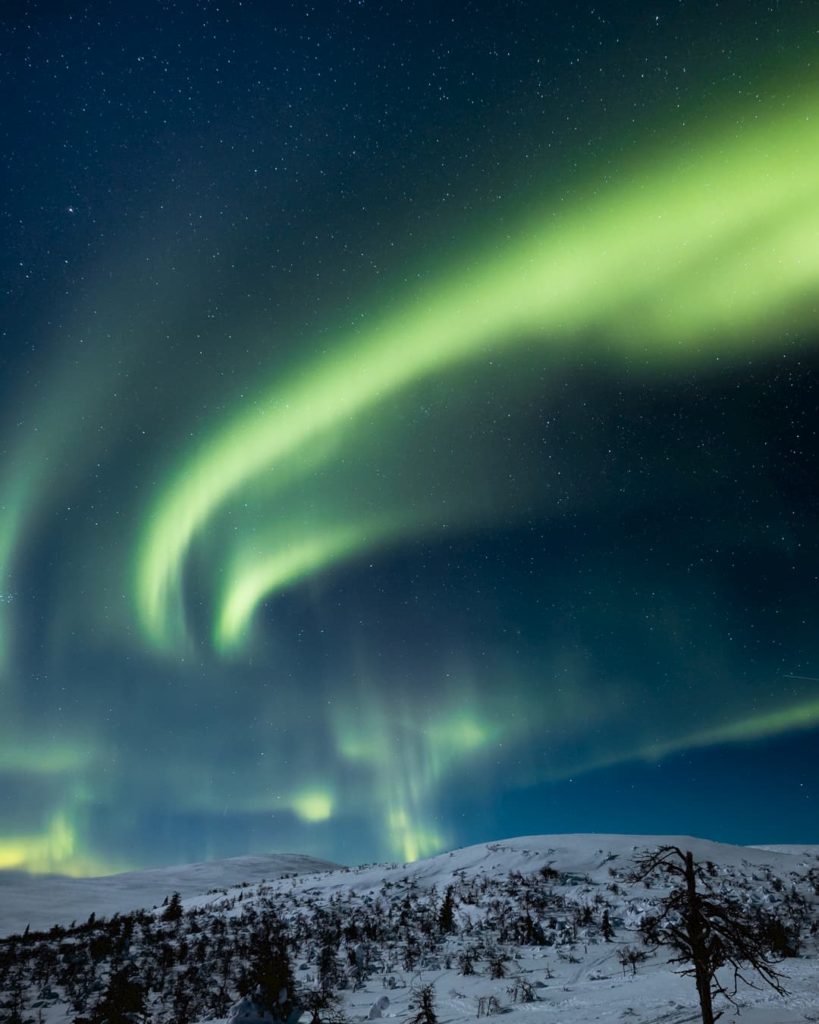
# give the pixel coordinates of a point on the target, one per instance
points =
(562, 882)
(41, 901)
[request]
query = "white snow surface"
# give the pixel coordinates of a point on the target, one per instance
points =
(799, 851)
(582, 854)
(575, 984)
(45, 900)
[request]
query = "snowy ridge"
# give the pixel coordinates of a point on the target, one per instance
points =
(811, 852)
(44, 900)
(583, 854)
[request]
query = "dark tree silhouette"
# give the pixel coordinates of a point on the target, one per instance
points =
(423, 1003)
(323, 1006)
(329, 973)
(628, 956)
(123, 1001)
(269, 978)
(706, 929)
(781, 936)
(497, 964)
(466, 962)
(173, 908)
(15, 1006)
(446, 918)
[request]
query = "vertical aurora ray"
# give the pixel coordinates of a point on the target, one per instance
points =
(671, 265)
(407, 752)
(341, 500)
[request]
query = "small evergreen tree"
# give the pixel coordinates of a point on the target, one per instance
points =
(412, 954)
(466, 962)
(497, 964)
(781, 937)
(173, 909)
(269, 977)
(423, 1002)
(123, 1001)
(446, 918)
(328, 969)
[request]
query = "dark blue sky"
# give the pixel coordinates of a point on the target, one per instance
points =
(408, 427)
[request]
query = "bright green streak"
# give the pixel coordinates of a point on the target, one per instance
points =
(260, 577)
(755, 727)
(255, 573)
(680, 262)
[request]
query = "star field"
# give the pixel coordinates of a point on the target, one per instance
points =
(408, 427)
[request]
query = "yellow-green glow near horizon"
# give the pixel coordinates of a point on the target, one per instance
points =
(673, 264)
(313, 805)
(54, 850)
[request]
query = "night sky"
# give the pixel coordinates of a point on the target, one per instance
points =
(408, 426)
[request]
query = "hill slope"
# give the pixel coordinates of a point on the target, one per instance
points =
(535, 925)
(44, 900)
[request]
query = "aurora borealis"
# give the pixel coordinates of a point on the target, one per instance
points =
(408, 428)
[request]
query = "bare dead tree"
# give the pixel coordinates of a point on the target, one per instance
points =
(706, 929)
(628, 956)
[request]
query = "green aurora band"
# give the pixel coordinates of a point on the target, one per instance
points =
(717, 243)
(707, 251)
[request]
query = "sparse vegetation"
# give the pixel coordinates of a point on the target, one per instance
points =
(289, 947)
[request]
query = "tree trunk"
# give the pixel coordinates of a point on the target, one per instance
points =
(704, 991)
(696, 935)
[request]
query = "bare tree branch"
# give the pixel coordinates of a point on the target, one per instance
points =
(705, 928)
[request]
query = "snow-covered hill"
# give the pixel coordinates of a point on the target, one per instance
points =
(580, 854)
(41, 901)
(537, 929)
